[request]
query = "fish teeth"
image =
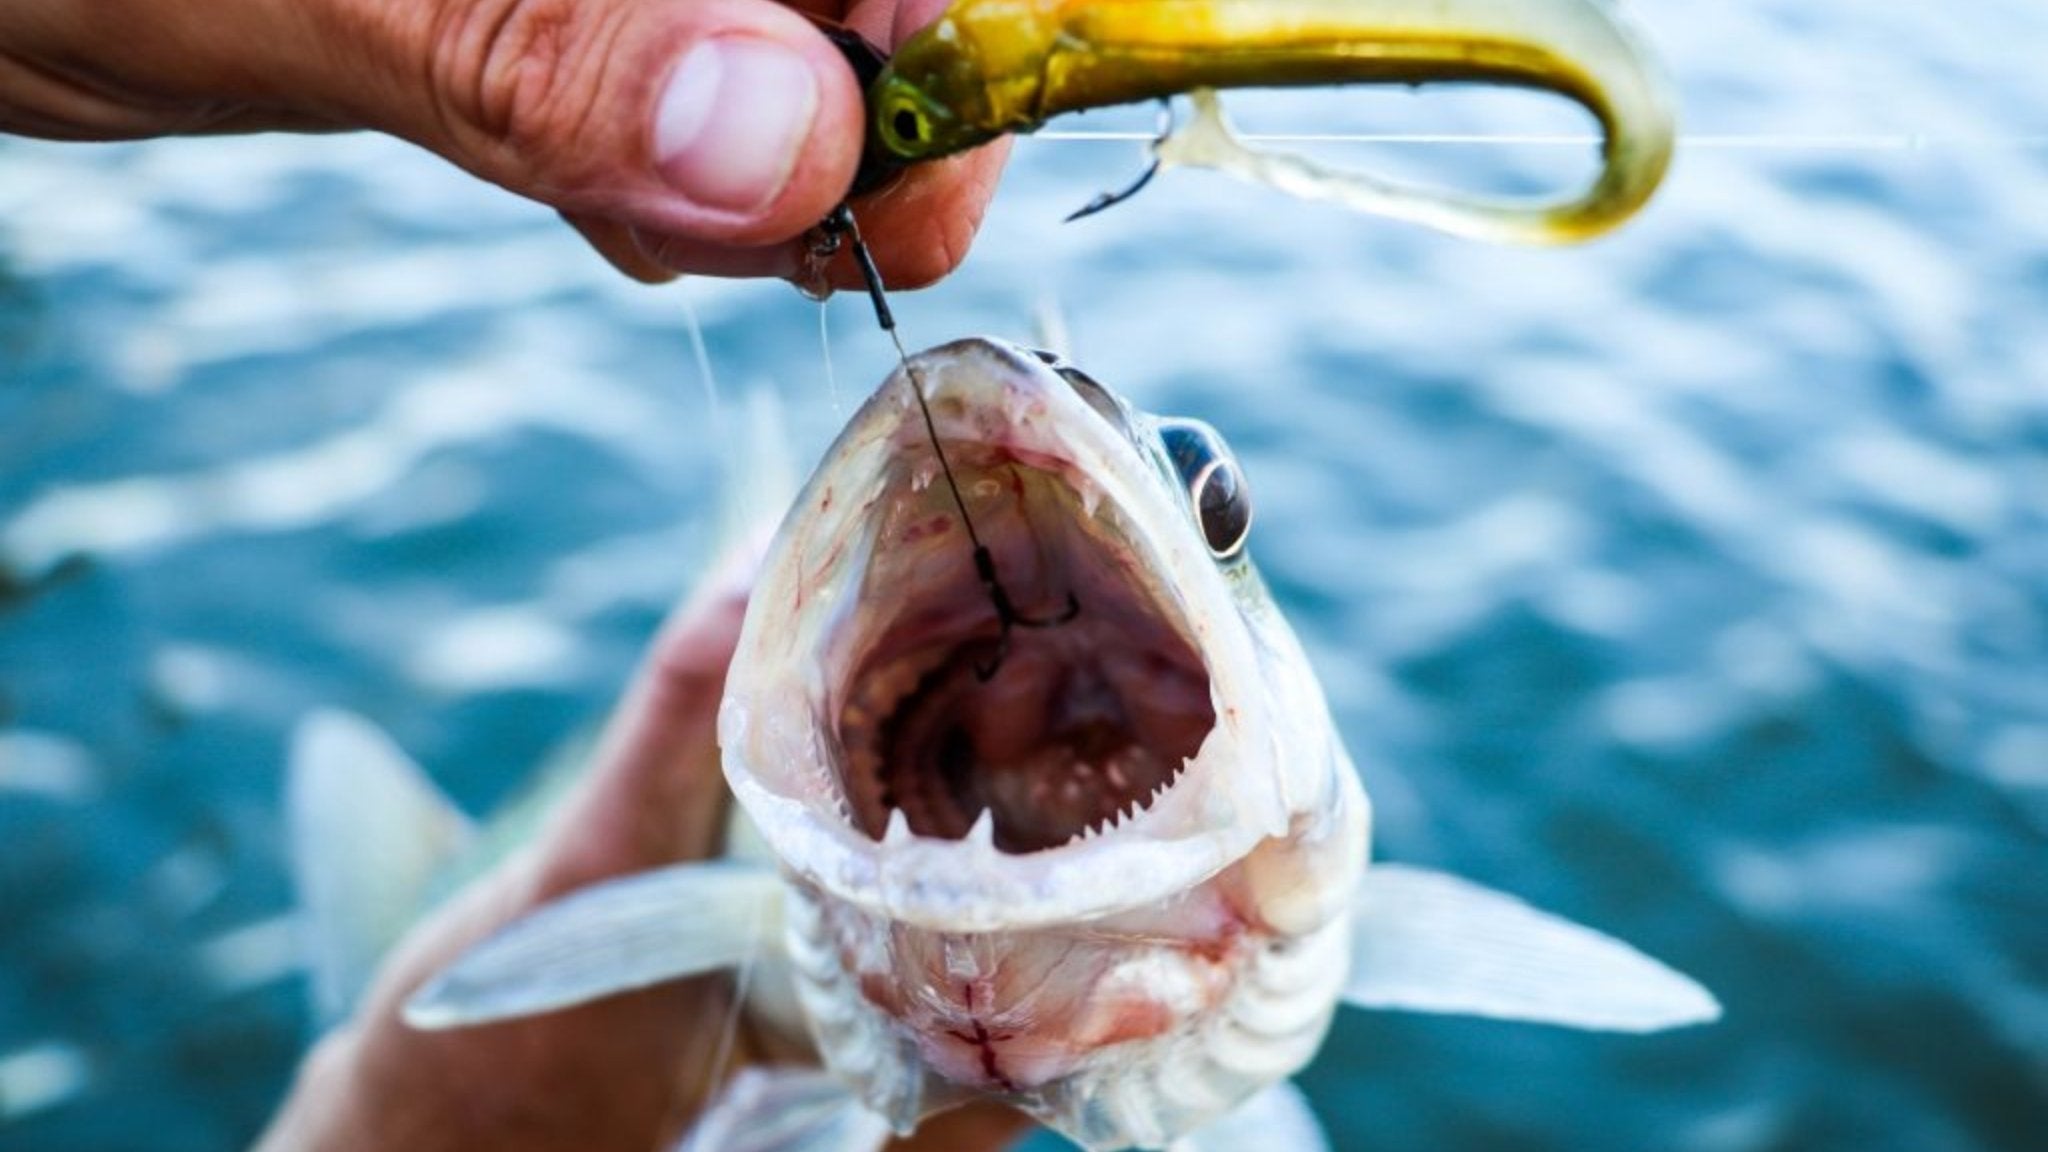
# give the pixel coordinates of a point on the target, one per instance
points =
(898, 833)
(1091, 495)
(983, 832)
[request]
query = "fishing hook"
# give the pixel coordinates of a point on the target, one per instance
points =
(1007, 615)
(1108, 199)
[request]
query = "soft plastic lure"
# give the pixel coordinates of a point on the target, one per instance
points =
(990, 67)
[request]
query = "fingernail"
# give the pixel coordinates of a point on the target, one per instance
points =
(732, 120)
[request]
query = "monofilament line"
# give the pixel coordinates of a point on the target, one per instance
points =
(702, 352)
(1706, 141)
(825, 347)
(842, 218)
(1007, 615)
(743, 983)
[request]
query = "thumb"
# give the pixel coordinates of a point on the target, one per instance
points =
(729, 121)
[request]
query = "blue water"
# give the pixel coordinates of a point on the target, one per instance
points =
(1694, 584)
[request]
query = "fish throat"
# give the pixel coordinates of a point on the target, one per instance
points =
(1055, 733)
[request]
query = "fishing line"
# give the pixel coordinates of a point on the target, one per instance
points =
(841, 224)
(1708, 141)
(825, 348)
(742, 984)
(695, 324)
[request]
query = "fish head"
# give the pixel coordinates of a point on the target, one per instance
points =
(1060, 861)
(1150, 722)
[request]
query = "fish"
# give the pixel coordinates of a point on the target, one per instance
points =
(986, 68)
(1039, 801)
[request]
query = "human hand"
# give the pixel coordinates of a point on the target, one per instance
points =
(696, 136)
(624, 1074)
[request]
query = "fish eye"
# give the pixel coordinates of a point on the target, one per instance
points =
(1216, 489)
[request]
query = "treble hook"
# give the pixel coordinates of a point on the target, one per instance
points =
(1108, 199)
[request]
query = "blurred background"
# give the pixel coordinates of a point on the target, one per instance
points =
(1693, 584)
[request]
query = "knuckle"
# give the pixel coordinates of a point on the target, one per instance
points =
(520, 79)
(919, 268)
(937, 250)
(939, 218)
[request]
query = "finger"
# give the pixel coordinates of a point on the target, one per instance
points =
(921, 227)
(684, 254)
(617, 243)
(733, 121)
(890, 22)
(918, 231)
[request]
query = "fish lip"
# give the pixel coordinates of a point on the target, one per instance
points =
(782, 771)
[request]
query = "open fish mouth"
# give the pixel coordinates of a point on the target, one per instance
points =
(897, 745)
(1072, 723)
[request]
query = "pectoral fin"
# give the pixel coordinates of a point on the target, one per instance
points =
(1276, 1120)
(684, 920)
(369, 832)
(786, 1110)
(1428, 942)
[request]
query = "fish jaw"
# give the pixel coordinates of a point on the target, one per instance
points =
(873, 533)
(1131, 1030)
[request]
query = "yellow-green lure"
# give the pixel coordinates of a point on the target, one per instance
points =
(989, 67)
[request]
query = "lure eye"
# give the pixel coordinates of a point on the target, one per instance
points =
(909, 125)
(905, 124)
(1216, 489)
